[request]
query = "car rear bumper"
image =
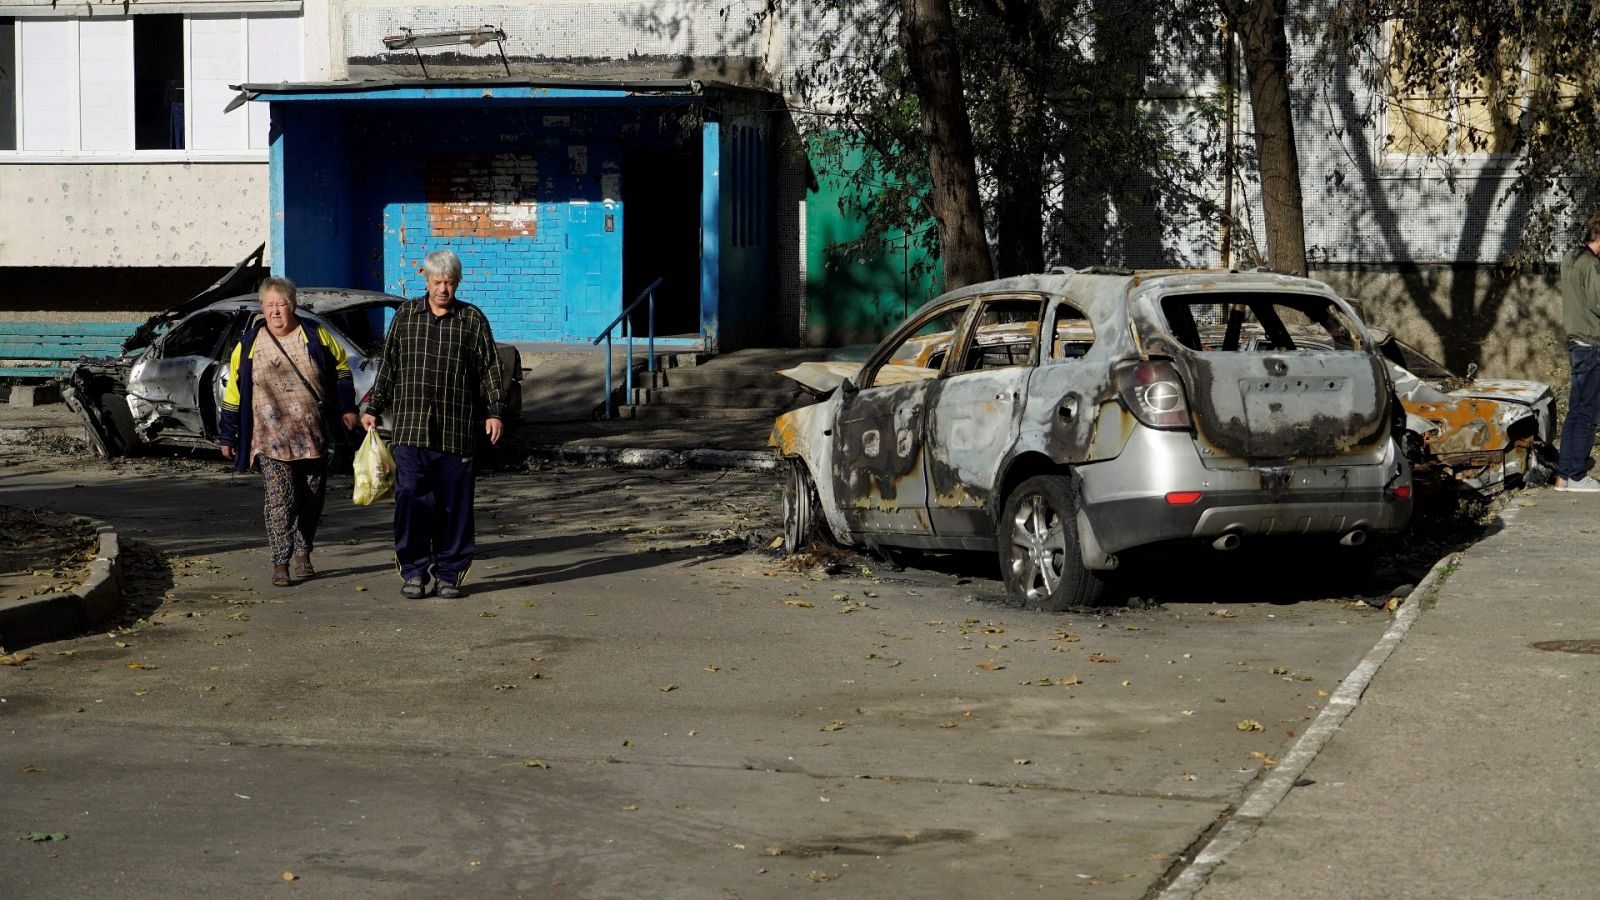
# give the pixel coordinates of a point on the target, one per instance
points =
(1130, 501)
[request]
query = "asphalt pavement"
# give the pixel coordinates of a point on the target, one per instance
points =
(1467, 769)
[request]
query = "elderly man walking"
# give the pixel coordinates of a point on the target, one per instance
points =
(1580, 314)
(438, 378)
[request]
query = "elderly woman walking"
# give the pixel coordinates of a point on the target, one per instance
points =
(281, 374)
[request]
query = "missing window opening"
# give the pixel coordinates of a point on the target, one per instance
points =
(158, 82)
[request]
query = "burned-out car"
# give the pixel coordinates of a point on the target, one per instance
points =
(1066, 418)
(1479, 434)
(166, 388)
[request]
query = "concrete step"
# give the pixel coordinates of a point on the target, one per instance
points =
(698, 412)
(714, 397)
(727, 378)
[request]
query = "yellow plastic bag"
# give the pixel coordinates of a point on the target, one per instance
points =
(374, 468)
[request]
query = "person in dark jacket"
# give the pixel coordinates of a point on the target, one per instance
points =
(279, 377)
(1580, 314)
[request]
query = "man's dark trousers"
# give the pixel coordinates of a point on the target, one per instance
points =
(433, 523)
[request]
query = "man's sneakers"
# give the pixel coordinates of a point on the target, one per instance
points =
(416, 588)
(1584, 485)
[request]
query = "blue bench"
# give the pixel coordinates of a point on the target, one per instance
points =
(48, 349)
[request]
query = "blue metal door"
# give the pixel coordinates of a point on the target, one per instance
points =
(592, 267)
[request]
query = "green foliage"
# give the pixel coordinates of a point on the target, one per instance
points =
(1095, 71)
(1514, 80)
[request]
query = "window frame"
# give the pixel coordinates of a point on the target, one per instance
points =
(1455, 106)
(79, 156)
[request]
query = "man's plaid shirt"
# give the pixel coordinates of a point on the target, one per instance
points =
(438, 377)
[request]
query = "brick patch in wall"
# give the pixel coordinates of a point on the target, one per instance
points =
(482, 195)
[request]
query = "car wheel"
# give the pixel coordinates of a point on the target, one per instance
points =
(1038, 542)
(123, 438)
(801, 510)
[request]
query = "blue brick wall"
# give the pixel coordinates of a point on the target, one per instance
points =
(472, 180)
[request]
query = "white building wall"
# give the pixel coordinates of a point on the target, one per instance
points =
(131, 214)
(78, 193)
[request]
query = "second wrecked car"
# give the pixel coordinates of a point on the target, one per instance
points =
(166, 387)
(1064, 419)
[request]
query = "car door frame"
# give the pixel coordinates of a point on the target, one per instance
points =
(974, 419)
(879, 472)
(164, 389)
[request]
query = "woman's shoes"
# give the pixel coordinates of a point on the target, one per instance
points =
(302, 567)
(280, 576)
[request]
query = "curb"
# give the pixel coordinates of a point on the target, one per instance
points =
(51, 617)
(658, 458)
(1275, 786)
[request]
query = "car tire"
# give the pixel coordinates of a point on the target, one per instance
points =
(1037, 537)
(802, 513)
(124, 439)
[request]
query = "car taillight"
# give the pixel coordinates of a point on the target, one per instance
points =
(1401, 492)
(1153, 392)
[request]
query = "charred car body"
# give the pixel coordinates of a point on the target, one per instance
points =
(1066, 418)
(166, 387)
(1480, 434)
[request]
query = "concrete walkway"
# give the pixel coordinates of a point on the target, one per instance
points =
(1470, 767)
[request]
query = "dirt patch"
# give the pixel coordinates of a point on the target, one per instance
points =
(42, 553)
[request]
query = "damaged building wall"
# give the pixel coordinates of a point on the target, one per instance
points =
(125, 182)
(131, 214)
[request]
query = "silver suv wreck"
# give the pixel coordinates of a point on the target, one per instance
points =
(1066, 418)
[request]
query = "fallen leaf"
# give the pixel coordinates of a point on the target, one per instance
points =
(712, 667)
(140, 665)
(15, 659)
(631, 807)
(1249, 725)
(776, 543)
(1392, 604)
(947, 724)
(1186, 776)
(41, 836)
(1187, 712)
(31, 769)
(1070, 680)
(835, 725)
(1265, 760)
(1280, 670)
(1225, 614)
(773, 851)
(993, 630)
(532, 763)
(991, 666)
(1125, 683)
(1022, 762)
(505, 687)
(1101, 658)
(819, 877)
(841, 597)
(1065, 636)
(803, 604)
(289, 876)
(667, 687)
(487, 615)
(360, 587)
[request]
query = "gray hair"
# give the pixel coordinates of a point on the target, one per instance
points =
(442, 263)
(282, 286)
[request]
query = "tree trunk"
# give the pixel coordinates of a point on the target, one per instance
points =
(927, 34)
(1019, 170)
(1265, 46)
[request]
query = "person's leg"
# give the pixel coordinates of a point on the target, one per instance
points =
(413, 512)
(278, 510)
(456, 535)
(1577, 433)
(310, 492)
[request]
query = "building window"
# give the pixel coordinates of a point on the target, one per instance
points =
(8, 84)
(147, 85)
(158, 83)
(1438, 107)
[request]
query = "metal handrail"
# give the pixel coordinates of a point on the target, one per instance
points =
(649, 293)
